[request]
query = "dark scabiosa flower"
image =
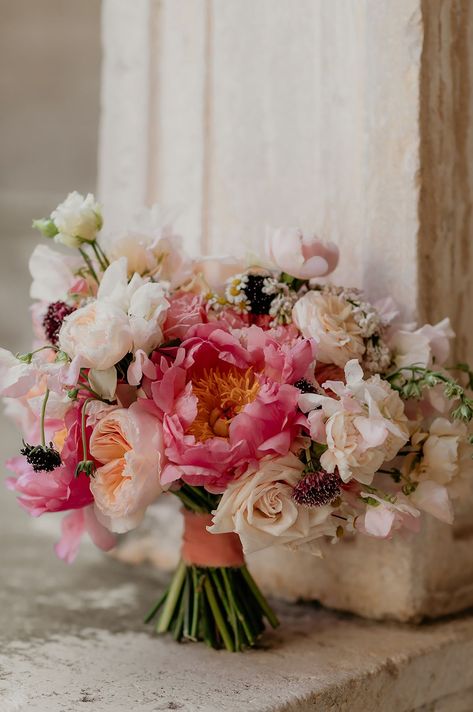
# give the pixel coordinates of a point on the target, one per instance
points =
(254, 289)
(305, 386)
(41, 457)
(52, 322)
(316, 489)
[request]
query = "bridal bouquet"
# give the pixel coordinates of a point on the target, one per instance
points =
(279, 408)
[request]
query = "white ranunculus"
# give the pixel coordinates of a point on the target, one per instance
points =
(98, 333)
(77, 219)
(329, 320)
(259, 507)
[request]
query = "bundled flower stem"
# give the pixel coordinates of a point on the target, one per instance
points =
(221, 605)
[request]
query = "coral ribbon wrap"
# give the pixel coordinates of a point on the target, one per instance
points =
(201, 548)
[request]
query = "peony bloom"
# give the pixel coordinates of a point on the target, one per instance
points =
(428, 346)
(99, 334)
(77, 219)
(301, 256)
(362, 428)
(260, 508)
(226, 401)
(329, 320)
(151, 248)
(185, 310)
(129, 445)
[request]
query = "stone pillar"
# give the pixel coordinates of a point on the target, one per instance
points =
(347, 118)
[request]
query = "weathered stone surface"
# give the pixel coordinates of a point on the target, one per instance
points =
(73, 636)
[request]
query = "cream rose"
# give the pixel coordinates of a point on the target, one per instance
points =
(77, 219)
(329, 320)
(98, 333)
(129, 443)
(259, 507)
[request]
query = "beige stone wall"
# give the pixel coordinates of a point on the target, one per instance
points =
(49, 89)
(350, 118)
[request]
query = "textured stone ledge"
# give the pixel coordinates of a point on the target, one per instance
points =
(73, 640)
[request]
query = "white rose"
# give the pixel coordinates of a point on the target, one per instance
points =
(259, 507)
(147, 312)
(329, 320)
(77, 219)
(98, 333)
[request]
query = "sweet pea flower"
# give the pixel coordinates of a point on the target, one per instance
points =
(383, 519)
(364, 426)
(128, 442)
(427, 346)
(299, 255)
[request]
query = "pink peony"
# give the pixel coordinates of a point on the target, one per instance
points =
(227, 401)
(185, 310)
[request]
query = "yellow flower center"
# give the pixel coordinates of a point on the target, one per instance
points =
(221, 396)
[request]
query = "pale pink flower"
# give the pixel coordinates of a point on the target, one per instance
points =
(299, 255)
(53, 274)
(215, 271)
(388, 516)
(73, 527)
(185, 310)
(427, 346)
(434, 499)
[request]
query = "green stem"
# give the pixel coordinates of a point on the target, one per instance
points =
(89, 264)
(217, 614)
(196, 603)
(263, 603)
(43, 414)
(172, 598)
(83, 427)
(155, 608)
(99, 257)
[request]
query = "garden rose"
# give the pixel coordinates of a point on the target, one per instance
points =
(329, 320)
(299, 255)
(129, 444)
(427, 346)
(259, 507)
(99, 334)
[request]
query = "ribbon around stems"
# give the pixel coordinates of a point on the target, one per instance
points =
(201, 548)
